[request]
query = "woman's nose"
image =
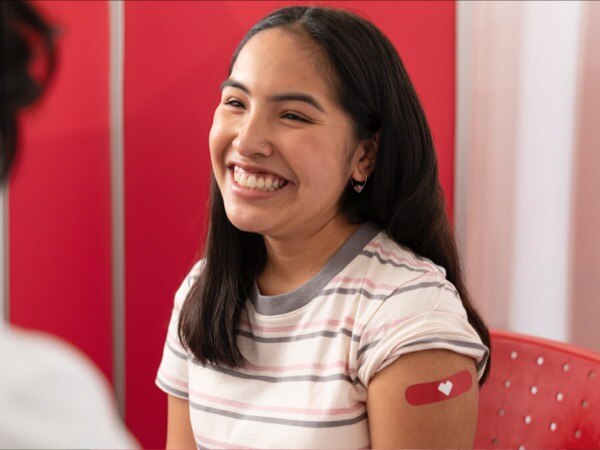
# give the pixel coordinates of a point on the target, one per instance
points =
(252, 137)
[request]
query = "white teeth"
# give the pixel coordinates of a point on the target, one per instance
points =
(252, 181)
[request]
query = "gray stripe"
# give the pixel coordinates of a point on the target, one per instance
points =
(345, 331)
(191, 279)
(170, 389)
(365, 293)
(291, 301)
(353, 291)
(273, 379)
(334, 377)
(291, 422)
(177, 352)
(481, 363)
(117, 33)
(265, 378)
(435, 340)
(449, 341)
(317, 378)
(366, 347)
(299, 337)
(384, 261)
(333, 334)
(424, 284)
(4, 255)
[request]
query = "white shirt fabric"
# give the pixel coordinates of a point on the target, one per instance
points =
(313, 351)
(53, 396)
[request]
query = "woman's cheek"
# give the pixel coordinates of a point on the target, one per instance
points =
(217, 141)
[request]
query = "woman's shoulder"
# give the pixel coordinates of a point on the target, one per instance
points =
(189, 280)
(392, 256)
(386, 268)
(194, 273)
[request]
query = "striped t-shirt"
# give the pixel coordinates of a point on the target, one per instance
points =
(313, 350)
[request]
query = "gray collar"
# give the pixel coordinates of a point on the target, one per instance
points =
(271, 305)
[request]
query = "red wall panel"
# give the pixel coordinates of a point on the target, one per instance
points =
(177, 54)
(59, 195)
(424, 34)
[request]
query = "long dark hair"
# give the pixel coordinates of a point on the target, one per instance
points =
(403, 195)
(24, 34)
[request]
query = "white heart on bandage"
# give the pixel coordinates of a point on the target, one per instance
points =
(445, 387)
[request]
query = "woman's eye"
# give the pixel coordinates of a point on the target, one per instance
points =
(292, 116)
(235, 103)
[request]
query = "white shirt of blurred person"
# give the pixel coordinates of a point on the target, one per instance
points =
(51, 394)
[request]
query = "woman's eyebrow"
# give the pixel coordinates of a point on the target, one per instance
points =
(299, 97)
(235, 84)
(285, 96)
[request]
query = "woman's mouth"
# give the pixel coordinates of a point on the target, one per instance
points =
(264, 182)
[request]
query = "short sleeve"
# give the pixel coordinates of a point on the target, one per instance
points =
(428, 315)
(172, 376)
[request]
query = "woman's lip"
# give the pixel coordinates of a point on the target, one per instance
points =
(248, 193)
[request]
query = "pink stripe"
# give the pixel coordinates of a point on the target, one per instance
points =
(392, 286)
(293, 367)
(317, 324)
(460, 316)
(386, 326)
(291, 370)
(201, 439)
(413, 263)
(285, 409)
(173, 380)
(366, 281)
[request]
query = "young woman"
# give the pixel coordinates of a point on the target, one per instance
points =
(329, 310)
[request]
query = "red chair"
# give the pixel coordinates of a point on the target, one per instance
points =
(540, 394)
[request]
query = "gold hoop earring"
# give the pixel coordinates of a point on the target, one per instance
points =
(358, 187)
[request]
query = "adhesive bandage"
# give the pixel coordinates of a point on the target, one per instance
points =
(435, 391)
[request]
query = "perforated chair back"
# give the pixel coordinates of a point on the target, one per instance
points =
(540, 394)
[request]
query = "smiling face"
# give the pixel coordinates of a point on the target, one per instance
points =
(279, 141)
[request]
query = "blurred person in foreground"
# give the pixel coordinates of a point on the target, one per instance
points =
(51, 394)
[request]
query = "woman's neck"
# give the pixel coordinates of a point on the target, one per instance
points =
(292, 262)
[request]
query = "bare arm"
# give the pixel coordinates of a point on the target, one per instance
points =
(450, 422)
(179, 427)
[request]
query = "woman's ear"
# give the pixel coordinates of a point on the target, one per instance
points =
(367, 155)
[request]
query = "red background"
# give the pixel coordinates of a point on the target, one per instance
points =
(176, 55)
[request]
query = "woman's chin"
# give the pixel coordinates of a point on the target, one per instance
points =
(247, 223)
